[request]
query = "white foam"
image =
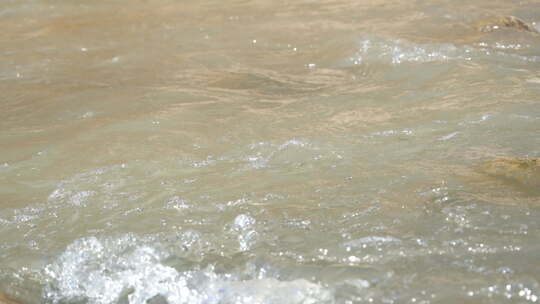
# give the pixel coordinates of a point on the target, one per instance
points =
(113, 270)
(243, 221)
(243, 225)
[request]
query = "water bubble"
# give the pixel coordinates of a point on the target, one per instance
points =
(176, 203)
(243, 221)
(88, 115)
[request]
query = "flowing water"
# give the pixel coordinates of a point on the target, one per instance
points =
(261, 151)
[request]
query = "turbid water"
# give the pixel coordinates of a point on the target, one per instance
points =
(264, 151)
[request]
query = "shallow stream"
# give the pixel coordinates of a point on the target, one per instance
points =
(263, 151)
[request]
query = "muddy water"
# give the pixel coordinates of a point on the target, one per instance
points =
(269, 151)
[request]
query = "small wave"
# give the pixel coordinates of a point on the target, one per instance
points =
(290, 152)
(400, 51)
(449, 136)
(397, 51)
(372, 240)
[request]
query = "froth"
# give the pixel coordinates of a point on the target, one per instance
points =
(129, 270)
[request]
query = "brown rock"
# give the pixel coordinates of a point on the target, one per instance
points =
(6, 300)
(506, 22)
(523, 171)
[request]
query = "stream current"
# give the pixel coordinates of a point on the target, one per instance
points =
(262, 151)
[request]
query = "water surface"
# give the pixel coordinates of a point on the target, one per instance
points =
(268, 151)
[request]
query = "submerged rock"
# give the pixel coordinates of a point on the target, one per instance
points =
(524, 171)
(508, 22)
(6, 300)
